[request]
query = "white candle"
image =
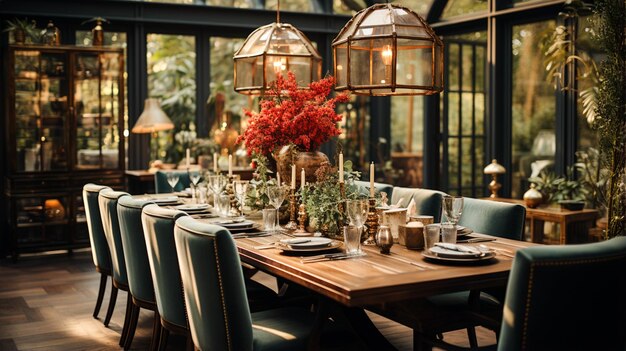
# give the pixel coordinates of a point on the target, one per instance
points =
(293, 177)
(341, 167)
(187, 156)
(278, 178)
(302, 178)
(230, 165)
(372, 179)
(215, 162)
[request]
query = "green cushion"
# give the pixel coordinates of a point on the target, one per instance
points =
(494, 218)
(158, 228)
(135, 252)
(364, 188)
(97, 239)
(566, 298)
(162, 186)
(427, 201)
(110, 222)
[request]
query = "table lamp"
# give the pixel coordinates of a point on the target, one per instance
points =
(494, 168)
(152, 120)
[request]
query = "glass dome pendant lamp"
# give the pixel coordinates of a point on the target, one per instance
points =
(387, 49)
(273, 50)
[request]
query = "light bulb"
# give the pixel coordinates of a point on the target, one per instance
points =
(387, 55)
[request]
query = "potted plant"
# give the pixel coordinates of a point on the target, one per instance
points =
(22, 30)
(566, 191)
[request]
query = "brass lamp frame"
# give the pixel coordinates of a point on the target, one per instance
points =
(347, 44)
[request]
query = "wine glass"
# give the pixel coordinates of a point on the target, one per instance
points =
(217, 183)
(194, 177)
(172, 179)
(276, 195)
(241, 189)
(357, 213)
(453, 208)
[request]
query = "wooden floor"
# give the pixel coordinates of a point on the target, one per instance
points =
(46, 303)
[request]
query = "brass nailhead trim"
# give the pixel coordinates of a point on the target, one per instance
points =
(219, 279)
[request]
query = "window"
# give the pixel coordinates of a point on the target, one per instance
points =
(533, 106)
(463, 7)
(172, 80)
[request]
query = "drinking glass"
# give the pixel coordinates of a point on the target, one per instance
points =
(453, 208)
(448, 232)
(276, 195)
(357, 213)
(194, 177)
(172, 179)
(270, 216)
(217, 183)
(352, 239)
(241, 189)
(431, 235)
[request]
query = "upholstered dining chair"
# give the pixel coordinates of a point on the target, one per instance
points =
(137, 266)
(427, 201)
(158, 228)
(162, 186)
(495, 218)
(216, 299)
(99, 247)
(380, 187)
(566, 298)
(110, 222)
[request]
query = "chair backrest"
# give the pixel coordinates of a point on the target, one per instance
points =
(97, 239)
(135, 252)
(427, 201)
(111, 224)
(495, 218)
(380, 187)
(158, 229)
(162, 186)
(215, 293)
(566, 298)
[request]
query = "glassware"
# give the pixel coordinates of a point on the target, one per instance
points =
(277, 195)
(453, 208)
(217, 183)
(384, 240)
(352, 239)
(448, 232)
(241, 189)
(194, 177)
(172, 179)
(357, 213)
(222, 203)
(431, 235)
(270, 216)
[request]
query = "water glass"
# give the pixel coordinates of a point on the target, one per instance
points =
(172, 179)
(448, 232)
(269, 219)
(222, 204)
(431, 235)
(352, 239)
(452, 208)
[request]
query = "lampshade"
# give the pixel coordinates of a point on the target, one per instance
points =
(152, 119)
(272, 50)
(388, 49)
(494, 168)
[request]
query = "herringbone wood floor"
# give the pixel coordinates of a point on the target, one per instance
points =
(46, 303)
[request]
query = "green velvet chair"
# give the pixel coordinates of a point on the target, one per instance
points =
(99, 247)
(216, 299)
(364, 188)
(162, 186)
(158, 228)
(110, 222)
(427, 201)
(566, 298)
(137, 266)
(495, 218)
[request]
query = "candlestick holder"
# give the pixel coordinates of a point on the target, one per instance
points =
(342, 201)
(301, 221)
(293, 202)
(371, 222)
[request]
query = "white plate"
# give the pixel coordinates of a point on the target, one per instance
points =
(434, 257)
(443, 252)
(234, 225)
(307, 243)
(193, 207)
(287, 248)
(164, 199)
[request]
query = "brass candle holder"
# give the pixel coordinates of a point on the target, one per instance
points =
(342, 201)
(293, 202)
(371, 222)
(301, 221)
(230, 191)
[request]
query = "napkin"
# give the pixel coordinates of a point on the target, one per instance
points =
(411, 210)
(459, 248)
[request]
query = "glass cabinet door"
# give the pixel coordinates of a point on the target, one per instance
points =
(41, 93)
(96, 104)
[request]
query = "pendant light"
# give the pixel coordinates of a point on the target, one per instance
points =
(388, 49)
(273, 50)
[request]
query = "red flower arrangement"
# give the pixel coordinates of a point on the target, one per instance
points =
(304, 118)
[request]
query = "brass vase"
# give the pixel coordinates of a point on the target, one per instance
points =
(533, 197)
(310, 161)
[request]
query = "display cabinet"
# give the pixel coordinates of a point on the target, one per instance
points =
(64, 128)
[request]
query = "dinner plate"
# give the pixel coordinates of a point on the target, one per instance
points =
(443, 252)
(164, 200)
(193, 207)
(307, 243)
(434, 257)
(334, 244)
(235, 225)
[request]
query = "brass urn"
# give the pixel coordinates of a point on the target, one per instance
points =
(533, 197)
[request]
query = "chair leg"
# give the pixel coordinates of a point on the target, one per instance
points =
(156, 331)
(163, 338)
(127, 318)
(419, 342)
(112, 302)
(103, 285)
(190, 345)
(471, 335)
(130, 333)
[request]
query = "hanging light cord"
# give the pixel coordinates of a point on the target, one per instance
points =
(277, 11)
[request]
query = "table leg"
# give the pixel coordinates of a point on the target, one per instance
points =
(366, 330)
(536, 230)
(563, 230)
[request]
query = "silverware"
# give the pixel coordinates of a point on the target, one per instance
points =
(330, 255)
(331, 258)
(476, 240)
(251, 235)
